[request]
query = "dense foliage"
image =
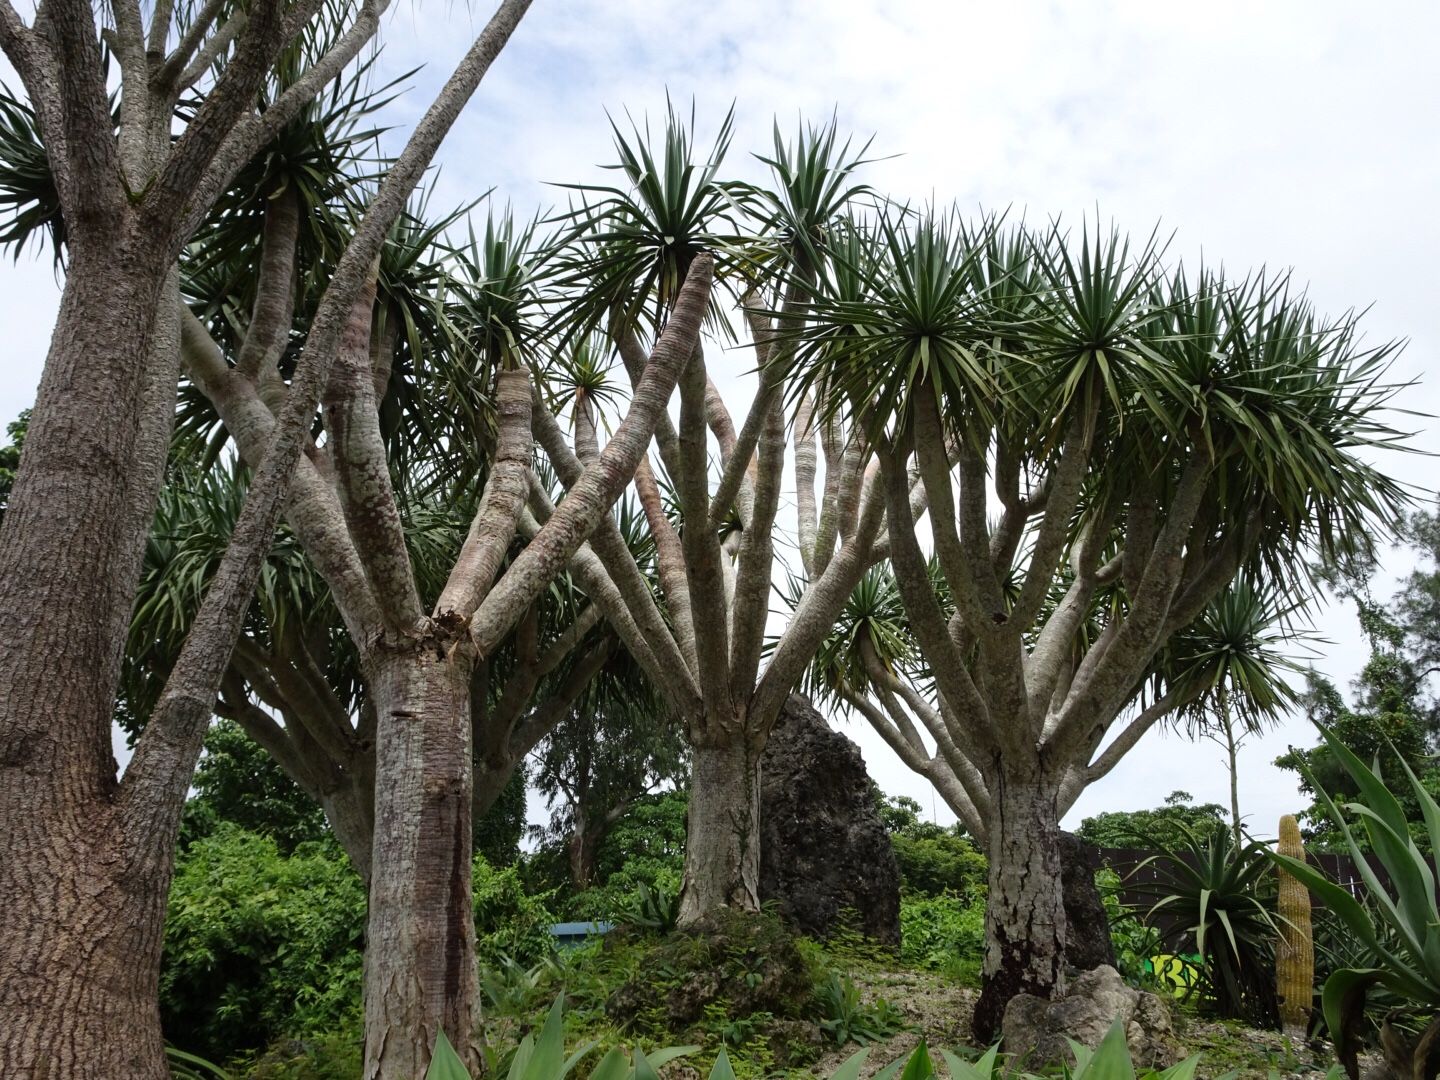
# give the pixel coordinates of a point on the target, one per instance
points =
(1164, 825)
(1388, 724)
(261, 944)
(644, 846)
(10, 456)
(934, 859)
(238, 783)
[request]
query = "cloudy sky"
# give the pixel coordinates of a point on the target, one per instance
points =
(1291, 134)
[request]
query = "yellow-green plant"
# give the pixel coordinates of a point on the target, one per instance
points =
(1295, 951)
(1399, 927)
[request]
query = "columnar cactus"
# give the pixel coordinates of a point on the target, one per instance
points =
(1295, 952)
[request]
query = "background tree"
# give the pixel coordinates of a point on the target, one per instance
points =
(1393, 718)
(934, 860)
(236, 782)
(1166, 825)
(702, 641)
(345, 510)
(10, 457)
(1126, 420)
(618, 744)
(1390, 722)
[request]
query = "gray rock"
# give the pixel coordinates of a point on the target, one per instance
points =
(1036, 1029)
(1087, 930)
(823, 847)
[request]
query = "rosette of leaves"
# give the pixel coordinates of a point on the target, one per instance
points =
(1215, 899)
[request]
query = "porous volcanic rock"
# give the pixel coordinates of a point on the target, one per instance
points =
(1087, 928)
(825, 857)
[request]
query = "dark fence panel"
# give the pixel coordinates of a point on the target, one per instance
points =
(1140, 877)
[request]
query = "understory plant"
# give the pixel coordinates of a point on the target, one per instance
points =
(1214, 899)
(848, 1018)
(944, 933)
(542, 1057)
(1136, 942)
(1397, 920)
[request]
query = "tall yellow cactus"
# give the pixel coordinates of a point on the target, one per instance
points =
(1295, 952)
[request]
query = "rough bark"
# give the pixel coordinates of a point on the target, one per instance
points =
(722, 833)
(420, 941)
(75, 1001)
(86, 871)
(70, 546)
(1025, 911)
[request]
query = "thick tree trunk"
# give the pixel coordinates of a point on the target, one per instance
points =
(1025, 910)
(722, 842)
(420, 973)
(79, 942)
(80, 985)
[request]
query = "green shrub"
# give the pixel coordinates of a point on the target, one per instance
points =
(1399, 926)
(238, 782)
(849, 1019)
(261, 948)
(933, 859)
(943, 933)
(319, 1057)
(509, 921)
(1135, 942)
(260, 945)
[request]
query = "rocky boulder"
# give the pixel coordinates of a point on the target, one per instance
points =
(823, 847)
(1087, 931)
(1036, 1029)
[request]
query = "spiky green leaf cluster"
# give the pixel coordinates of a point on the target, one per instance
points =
(1021, 335)
(1397, 917)
(1214, 898)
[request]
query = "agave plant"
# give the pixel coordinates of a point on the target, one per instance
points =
(656, 910)
(1399, 926)
(1217, 900)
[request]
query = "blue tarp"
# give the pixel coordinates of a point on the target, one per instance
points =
(573, 933)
